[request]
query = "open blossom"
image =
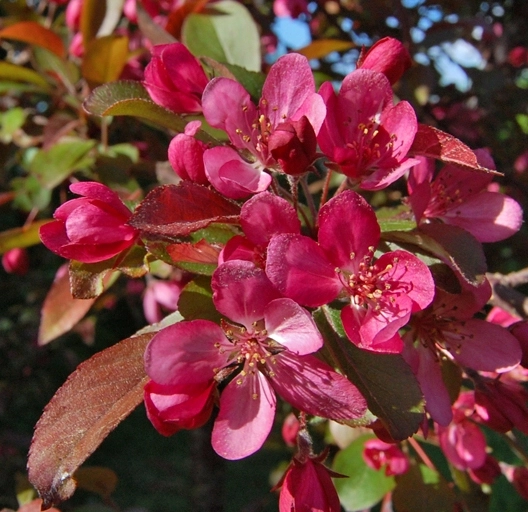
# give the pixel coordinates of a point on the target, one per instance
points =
(381, 293)
(91, 228)
(288, 94)
(175, 79)
(269, 345)
(447, 329)
(460, 197)
(364, 134)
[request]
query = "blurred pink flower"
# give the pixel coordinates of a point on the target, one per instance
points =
(290, 8)
(16, 261)
(378, 454)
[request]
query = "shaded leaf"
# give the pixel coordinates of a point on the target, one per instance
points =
(422, 488)
(31, 32)
(152, 30)
(60, 311)
(96, 479)
(364, 486)
(395, 219)
(434, 143)
(322, 47)
(173, 211)
(97, 396)
(218, 35)
(92, 16)
(112, 16)
(10, 71)
(66, 71)
(457, 248)
(196, 301)
(104, 59)
(21, 237)
(130, 98)
(385, 380)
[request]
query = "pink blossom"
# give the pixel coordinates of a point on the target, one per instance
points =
(520, 331)
(502, 317)
(447, 329)
(290, 8)
(16, 261)
(462, 441)
(460, 197)
(175, 79)
(233, 176)
(307, 486)
(160, 296)
(290, 428)
(288, 94)
(378, 454)
(381, 294)
(388, 56)
(364, 134)
(91, 228)
(186, 155)
(261, 217)
(269, 345)
(174, 408)
(501, 404)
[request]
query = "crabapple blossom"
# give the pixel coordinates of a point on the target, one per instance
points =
(288, 95)
(175, 79)
(377, 454)
(16, 261)
(268, 345)
(91, 228)
(381, 294)
(460, 197)
(261, 217)
(447, 329)
(364, 135)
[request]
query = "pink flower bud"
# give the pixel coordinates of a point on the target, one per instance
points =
(91, 228)
(388, 56)
(290, 429)
(175, 79)
(16, 261)
(186, 155)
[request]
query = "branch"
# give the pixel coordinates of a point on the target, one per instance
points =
(505, 296)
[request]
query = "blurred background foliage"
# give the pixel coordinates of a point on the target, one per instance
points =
(470, 78)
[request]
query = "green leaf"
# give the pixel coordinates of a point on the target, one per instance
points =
(385, 380)
(522, 121)
(21, 237)
(395, 219)
(10, 71)
(423, 488)
(54, 165)
(11, 121)
(130, 98)
(29, 193)
(196, 301)
(227, 34)
(364, 486)
(66, 70)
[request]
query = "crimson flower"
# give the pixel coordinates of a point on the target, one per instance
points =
(378, 454)
(288, 94)
(382, 293)
(364, 134)
(175, 79)
(91, 228)
(265, 350)
(16, 261)
(460, 197)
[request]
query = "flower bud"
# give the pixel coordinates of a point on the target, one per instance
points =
(16, 261)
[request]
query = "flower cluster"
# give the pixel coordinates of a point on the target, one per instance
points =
(301, 295)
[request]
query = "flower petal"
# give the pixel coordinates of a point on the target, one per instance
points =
(314, 387)
(292, 326)
(247, 411)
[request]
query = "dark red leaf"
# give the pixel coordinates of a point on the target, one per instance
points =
(92, 402)
(178, 210)
(434, 143)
